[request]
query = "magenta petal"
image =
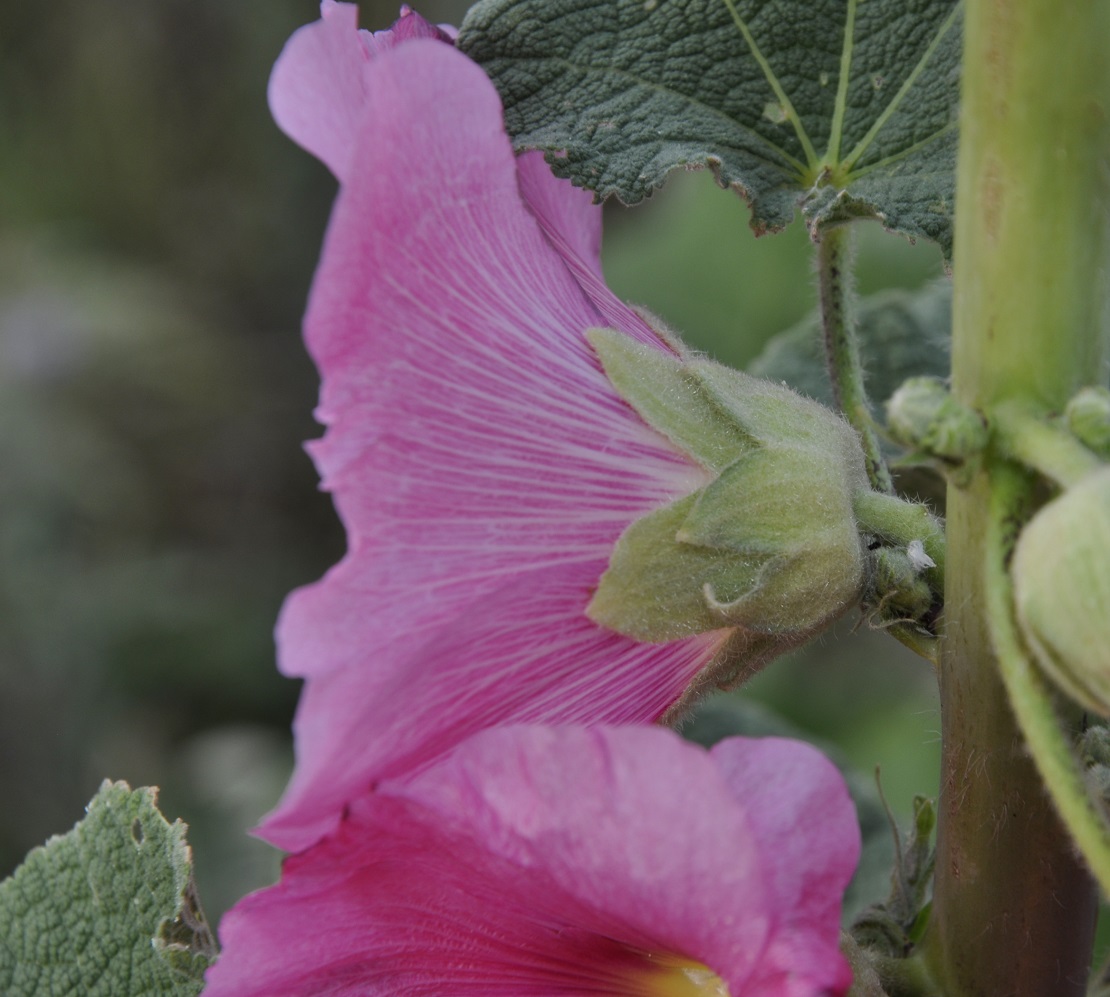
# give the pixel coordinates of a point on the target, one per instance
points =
(408, 26)
(553, 861)
(520, 652)
(481, 461)
(572, 223)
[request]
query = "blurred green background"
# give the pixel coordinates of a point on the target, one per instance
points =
(157, 241)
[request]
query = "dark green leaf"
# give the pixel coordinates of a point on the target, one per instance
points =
(902, 334)
(107, 910)
(846, 106)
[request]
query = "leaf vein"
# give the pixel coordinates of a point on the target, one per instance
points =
(907, 85)
(773, 80)
(840, 107)
(903, 153)
(792, 160)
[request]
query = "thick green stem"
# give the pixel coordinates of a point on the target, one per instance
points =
(834, 278)
(1013, 905)
(1013, 908)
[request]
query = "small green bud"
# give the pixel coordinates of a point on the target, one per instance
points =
(1094, 752)
(894, 926)
(1061, 573)
(1088, 419)
(898, 591)
(770, 546)
(923, 415)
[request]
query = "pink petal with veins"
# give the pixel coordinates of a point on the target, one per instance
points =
(481, 461)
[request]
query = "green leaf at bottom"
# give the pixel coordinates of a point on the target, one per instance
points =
(107, 910)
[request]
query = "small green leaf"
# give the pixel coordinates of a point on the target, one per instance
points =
(894, 926)
(668, 398)
(846, 107)
(107, 910)
(902, 334)
(654, 587)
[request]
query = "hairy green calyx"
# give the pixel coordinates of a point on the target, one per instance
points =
(770, 546)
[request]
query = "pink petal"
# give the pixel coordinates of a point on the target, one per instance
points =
(408, 26)
(521, 652)
(567, 214)
(317, 90)
(547, 861)
(481, 461)
(806, 881)
(572, 223)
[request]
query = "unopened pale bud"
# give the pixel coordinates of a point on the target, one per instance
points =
(898, 590)
(1061, 573)
(923, 415)
(1088, 418)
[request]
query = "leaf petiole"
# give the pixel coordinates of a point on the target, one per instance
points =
(1035, 442)
(834, 277)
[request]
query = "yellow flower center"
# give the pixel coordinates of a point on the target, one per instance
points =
(670, 976)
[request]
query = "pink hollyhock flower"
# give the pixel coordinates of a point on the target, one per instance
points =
(483, 464)
(537, 862)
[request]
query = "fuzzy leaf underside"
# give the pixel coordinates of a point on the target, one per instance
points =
(107, 910)
(845, 106)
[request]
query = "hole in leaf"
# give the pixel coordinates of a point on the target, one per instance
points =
(189, 932)
(137, 831)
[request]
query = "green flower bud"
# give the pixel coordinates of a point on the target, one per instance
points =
(922, 414)
(1088, 418)
(894, 926)
(1061, 573)
(1094, 753)
(898, 589)
(770, 547)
